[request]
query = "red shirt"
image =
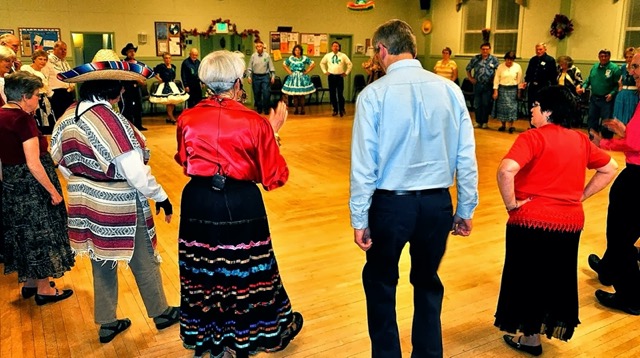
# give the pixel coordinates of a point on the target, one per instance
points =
(228, 134)
(630, 144)
(16, 127)
(552, 173)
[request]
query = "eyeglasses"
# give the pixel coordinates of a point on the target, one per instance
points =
(634, 66)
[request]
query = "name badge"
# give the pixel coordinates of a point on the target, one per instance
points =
(607, 73)
(542, 63)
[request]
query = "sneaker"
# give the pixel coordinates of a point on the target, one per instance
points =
(485, 126)
(477, 125)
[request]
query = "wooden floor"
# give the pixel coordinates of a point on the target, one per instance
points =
(321, 267)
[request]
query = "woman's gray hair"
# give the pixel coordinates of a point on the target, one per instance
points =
(21, 83)
(565, 59)
(219, 70)
(6, 53)
(39, 53)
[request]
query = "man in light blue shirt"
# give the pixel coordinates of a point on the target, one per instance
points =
(412, 137)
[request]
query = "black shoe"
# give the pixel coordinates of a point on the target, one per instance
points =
(502, 129)
(28, 292)
(533, 350)
(168, 318)
(122, 325)
(612, 300)
(335, 113)
(141, 128)
(342, 113)
(512, 129)
(59, 296)
(292, 331)
(172, 121)
(594, 263)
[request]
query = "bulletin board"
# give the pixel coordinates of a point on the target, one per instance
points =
(32, 39)
(283, 41)
(168, 38)
(314, 44)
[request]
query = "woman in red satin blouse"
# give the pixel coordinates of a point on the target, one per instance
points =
(233, 299)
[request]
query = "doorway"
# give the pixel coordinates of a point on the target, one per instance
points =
(346, 48)
(86, 44)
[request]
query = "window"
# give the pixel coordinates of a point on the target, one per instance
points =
(632, 24)
(501, 16)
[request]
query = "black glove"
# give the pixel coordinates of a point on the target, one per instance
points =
(166, 205)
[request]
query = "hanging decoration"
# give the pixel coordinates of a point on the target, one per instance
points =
(361, 5)
(561, 27)
(211, 30)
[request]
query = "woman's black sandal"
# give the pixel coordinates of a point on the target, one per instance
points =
(165, 320)
(292, 331)
(122, 325)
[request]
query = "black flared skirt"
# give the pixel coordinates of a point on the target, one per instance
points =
(539, 289)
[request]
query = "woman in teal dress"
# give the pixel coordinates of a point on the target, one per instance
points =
(298, 84)
(627, 97)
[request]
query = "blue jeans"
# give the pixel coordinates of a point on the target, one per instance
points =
(261, 92)
(424, 222)
(599, 109)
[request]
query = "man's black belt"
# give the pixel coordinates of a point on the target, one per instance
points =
(260, 74)
(409, 192)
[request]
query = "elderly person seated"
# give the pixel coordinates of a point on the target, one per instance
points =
(227, 149)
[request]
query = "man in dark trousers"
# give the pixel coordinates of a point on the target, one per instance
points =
(131, 104)
(412, 140)
(541, 72)
(190, 79)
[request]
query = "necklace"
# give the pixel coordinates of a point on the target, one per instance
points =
(16, 104)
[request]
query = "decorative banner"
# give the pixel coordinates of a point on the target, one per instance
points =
(32, 39)
(361, 5)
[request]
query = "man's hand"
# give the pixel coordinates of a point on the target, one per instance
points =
(461, 227)
(362, 238)
(249, 80)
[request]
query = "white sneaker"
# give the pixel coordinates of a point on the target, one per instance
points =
(485, 126)
(477, 125)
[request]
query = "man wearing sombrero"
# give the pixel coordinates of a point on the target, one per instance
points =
(131, 104)
(104, 158)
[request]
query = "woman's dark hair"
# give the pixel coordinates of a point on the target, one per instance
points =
(100, 89)
(20, 84)
(510, 55)
(448, 50)
(560, 102)
(293, 52)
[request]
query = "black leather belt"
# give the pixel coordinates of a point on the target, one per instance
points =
(409, 192)
(260, 74)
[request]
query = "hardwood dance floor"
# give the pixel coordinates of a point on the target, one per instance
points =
(321, 266)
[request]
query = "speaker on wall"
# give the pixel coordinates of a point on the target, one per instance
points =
(425, 4)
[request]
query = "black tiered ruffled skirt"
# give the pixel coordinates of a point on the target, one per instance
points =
(232, 296)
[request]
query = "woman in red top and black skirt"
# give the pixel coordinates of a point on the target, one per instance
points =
(542, 183)
(233, 299)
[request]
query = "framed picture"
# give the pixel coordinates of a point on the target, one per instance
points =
(32, 39)
(168, 38)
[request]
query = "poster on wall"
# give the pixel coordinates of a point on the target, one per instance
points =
(168, 38)
(283, 41)
(314, 44)
(32, 39)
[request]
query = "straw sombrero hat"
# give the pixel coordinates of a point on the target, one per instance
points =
(106, 65)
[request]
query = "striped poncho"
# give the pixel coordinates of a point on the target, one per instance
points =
(102, 205)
